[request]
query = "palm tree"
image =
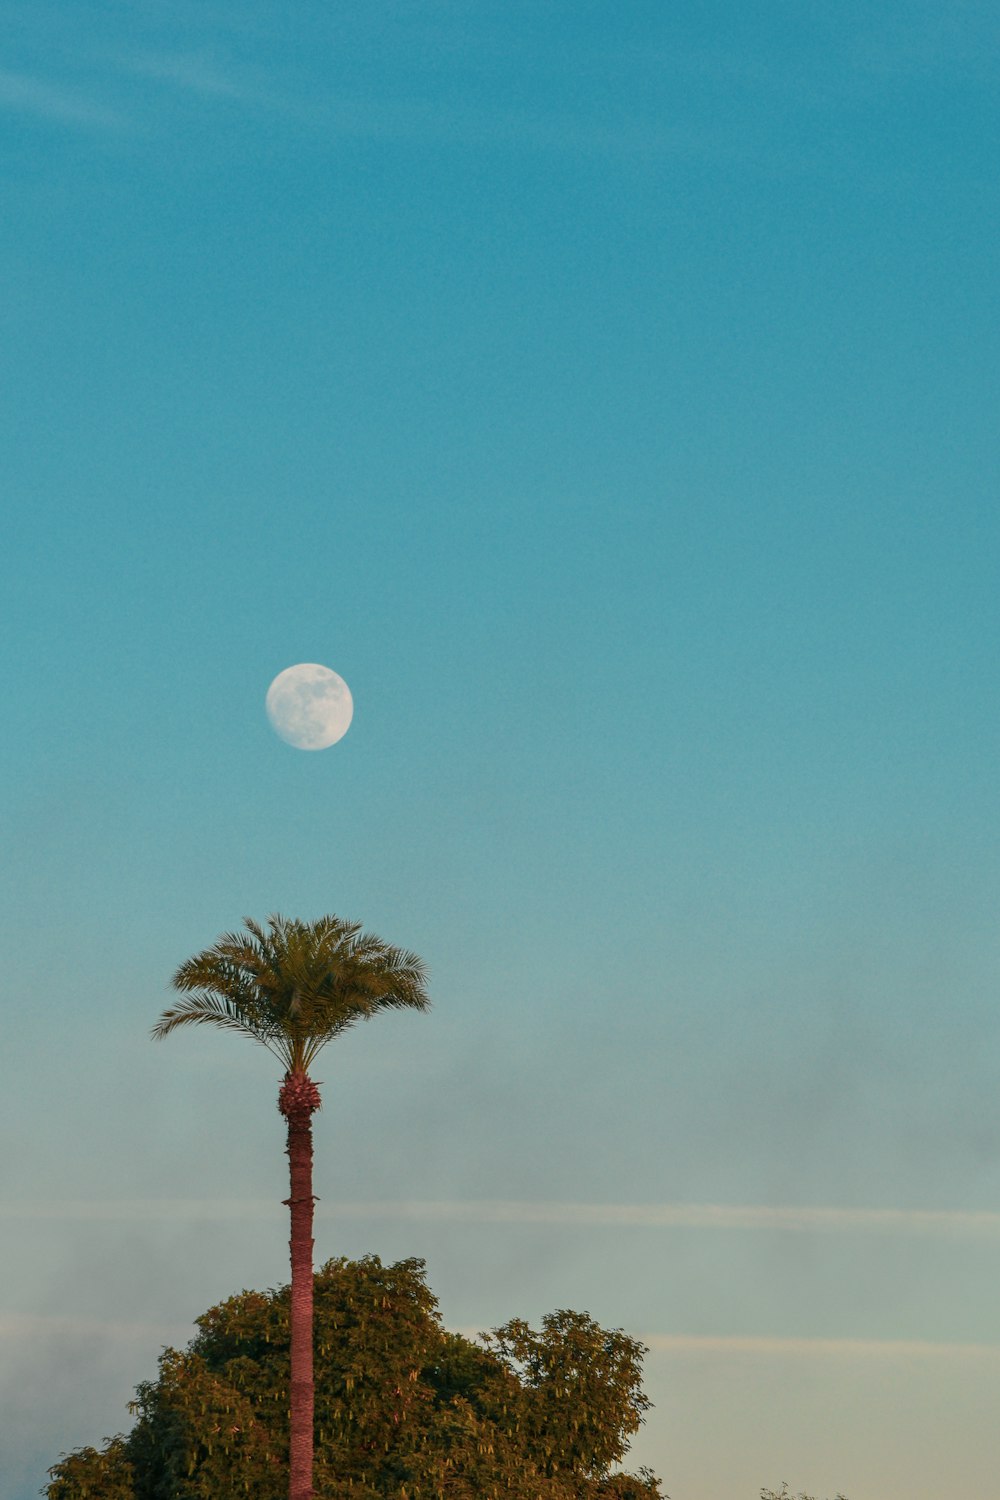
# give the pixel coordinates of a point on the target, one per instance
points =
(293, 987)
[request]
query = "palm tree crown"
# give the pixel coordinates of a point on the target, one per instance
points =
(295, 985)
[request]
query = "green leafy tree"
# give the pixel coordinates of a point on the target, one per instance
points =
(580, 1399)
(92, 1474)
(293, 986)
(404, 1409)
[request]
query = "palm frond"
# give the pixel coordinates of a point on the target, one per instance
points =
(293, 986)
(216, 1010)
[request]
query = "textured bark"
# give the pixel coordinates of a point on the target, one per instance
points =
(298, 1098)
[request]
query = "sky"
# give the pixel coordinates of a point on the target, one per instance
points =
(609, 394)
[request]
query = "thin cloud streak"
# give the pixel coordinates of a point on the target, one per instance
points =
(146, 1210)
(729, 1345)
(32, 1326)
(190, 73)
(796, 1220)
(409, 123)
(35, 1325)
(22, 94)
(419, 122)
(813, 1348)
(685, 1216)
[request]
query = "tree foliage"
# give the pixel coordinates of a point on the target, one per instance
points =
(403, 1407)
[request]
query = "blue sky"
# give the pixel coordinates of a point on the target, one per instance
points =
(609, 395)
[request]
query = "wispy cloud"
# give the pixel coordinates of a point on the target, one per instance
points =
(145, 1210)
(813, 1348)
(22, 94)
(686, 1216)
(36, 1325)
(190, 72)
(721, 1216)
(732, 1346)
(418, 121)
(196, 79)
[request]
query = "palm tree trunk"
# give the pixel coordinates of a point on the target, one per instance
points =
(298, 1098)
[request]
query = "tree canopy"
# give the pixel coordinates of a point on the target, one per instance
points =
(403, 1408)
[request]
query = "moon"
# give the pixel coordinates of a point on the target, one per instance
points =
(309, 706)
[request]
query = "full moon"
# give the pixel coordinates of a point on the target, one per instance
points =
(310, 706)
